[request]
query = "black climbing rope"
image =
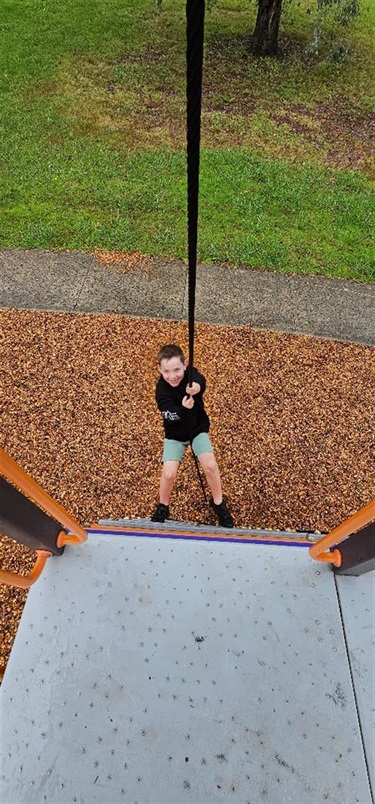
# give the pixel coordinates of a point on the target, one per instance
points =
(200, 479)
(194, 67)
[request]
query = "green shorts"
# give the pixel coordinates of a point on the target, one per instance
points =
(175, 450)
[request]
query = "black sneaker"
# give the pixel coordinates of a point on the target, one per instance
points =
(223, 514)
(161, 513)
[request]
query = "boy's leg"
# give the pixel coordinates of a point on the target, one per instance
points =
(203, 449)
(167, 480)
(172, 456)
(209, 465)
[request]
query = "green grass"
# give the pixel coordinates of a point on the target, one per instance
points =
(255, 211)
(93, 139)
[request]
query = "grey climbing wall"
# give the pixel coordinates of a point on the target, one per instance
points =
(150, 670)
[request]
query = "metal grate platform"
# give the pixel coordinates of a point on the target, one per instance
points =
(149, 670)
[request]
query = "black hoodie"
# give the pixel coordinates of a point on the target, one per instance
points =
(182, 424)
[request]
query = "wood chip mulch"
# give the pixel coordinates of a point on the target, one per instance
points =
(292, 424)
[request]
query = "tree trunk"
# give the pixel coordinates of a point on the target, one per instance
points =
(266, 31)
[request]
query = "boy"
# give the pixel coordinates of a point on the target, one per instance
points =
(185, 421)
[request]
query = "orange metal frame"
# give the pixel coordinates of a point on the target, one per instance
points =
(12, 472)
(25, 581)
(320, 550)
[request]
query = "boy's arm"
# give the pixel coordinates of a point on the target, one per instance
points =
(199, 383)
(193, 389)
(168, 407)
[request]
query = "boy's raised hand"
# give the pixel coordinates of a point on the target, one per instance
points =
(193, 389)
(188, 402)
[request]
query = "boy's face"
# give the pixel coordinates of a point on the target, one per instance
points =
(172, 370)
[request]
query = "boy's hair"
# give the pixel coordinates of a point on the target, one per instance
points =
(169, 351)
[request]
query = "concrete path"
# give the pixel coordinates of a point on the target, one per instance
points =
(78, 282)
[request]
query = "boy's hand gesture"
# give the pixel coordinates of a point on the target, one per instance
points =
(193, 389)
(188, 402)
